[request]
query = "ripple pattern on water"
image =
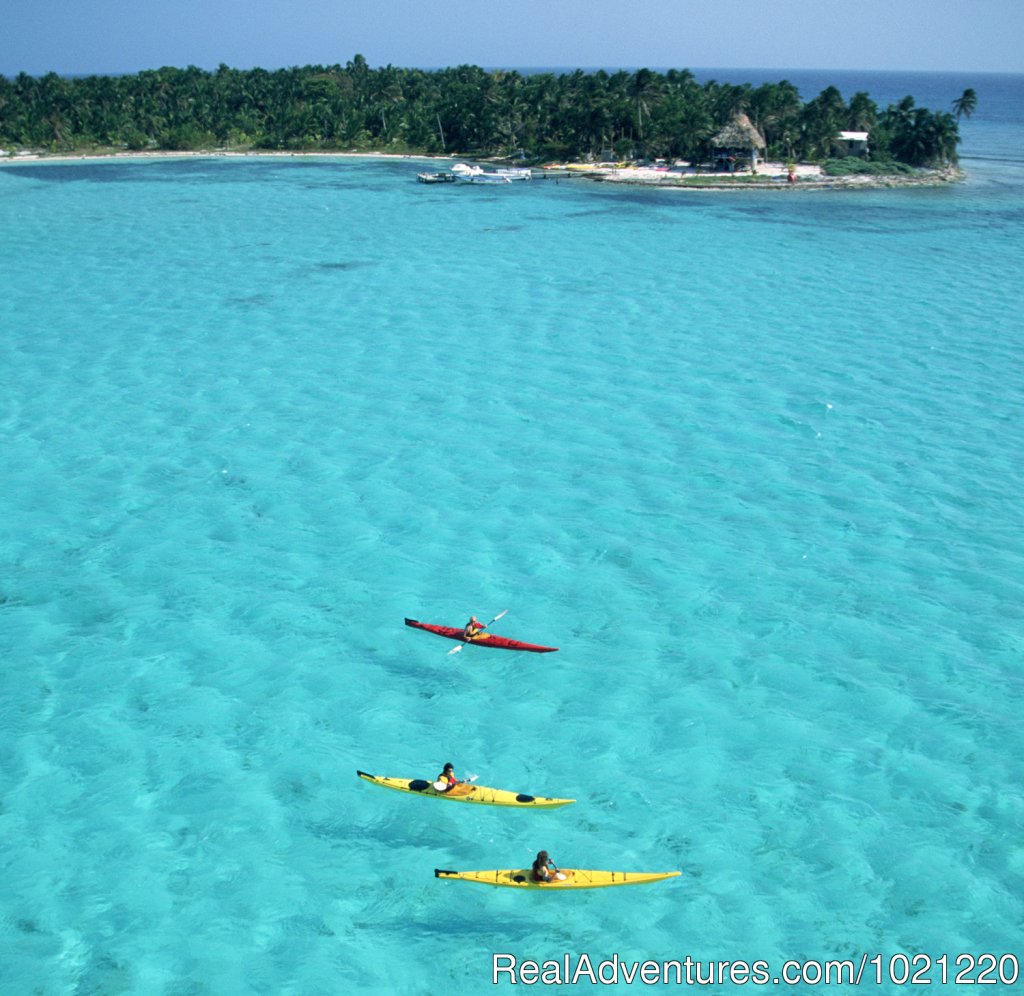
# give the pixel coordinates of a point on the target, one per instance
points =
(752, 465)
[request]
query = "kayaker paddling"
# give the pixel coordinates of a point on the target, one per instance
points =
(542, 866)
(464, 635)
(465, 791)
(472, 628)
(446, 781)
(573, 878)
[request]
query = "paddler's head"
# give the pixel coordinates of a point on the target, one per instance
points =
(448, 768)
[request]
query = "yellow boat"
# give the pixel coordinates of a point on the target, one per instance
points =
(464, 792)
(575, 878)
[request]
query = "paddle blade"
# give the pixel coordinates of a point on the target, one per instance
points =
(455, 649)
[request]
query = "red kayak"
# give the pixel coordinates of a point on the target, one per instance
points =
(481, 639)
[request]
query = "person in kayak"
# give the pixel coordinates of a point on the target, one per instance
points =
(542, 866)
(473, 627)
(446, 781)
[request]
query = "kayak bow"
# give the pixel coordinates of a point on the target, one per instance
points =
(464, 792)
(575, 878)
(481, 639)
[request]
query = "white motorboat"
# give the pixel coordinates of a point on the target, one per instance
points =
(476, 174)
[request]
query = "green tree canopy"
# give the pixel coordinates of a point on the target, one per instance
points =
(461, 110)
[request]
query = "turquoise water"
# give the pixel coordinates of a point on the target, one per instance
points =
(753, 462)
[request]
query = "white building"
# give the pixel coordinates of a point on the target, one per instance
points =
(856, 143)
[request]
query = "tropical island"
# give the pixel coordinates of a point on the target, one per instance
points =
(718, 132)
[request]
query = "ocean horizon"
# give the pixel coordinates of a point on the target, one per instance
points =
(751, 461)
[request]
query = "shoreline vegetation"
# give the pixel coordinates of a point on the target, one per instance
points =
(641, 127)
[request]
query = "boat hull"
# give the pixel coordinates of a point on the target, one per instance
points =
(481, 639)
(575, 878)
(464, 792)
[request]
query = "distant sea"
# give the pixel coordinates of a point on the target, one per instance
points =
(752, 461)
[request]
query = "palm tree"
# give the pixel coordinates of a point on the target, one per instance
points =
(463, 108)
(965, 104)
(773, 108)
(823, 118)
(945, 138)
(925, 139)
(900, 114)
(643, 87)
(862, 112)
(726, 100)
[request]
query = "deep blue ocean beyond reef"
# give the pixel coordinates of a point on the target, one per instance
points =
(753, 462)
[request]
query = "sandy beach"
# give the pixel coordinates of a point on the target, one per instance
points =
(26, 156)
(767, 170)
(769, 176)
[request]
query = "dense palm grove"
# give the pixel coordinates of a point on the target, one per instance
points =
(465, 110)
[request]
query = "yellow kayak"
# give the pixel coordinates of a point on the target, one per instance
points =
(464, 792)
(575, 878)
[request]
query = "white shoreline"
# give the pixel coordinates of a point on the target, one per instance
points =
(64, 157)
(769, 176)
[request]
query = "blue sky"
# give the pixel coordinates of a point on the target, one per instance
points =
(109, 36)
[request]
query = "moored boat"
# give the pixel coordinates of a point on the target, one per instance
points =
(574, 878)
(465, 792)
(476, 174)
(436, 177)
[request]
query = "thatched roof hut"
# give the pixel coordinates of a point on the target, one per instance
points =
(739, 133)
(738, 138)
